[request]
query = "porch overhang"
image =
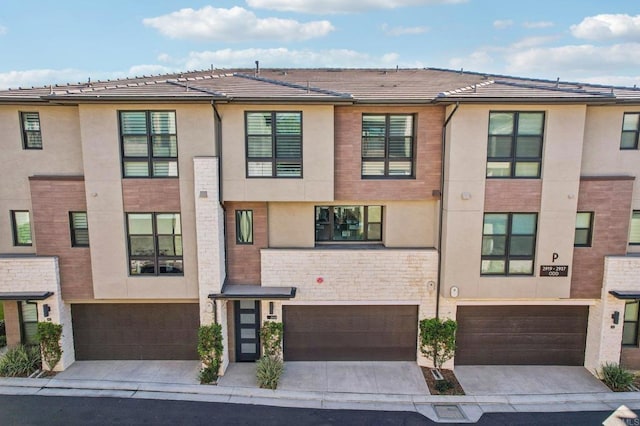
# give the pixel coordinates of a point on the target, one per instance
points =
(25, 295)
(625, 295)
(254, 292)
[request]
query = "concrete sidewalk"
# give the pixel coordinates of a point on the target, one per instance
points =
(459, 409)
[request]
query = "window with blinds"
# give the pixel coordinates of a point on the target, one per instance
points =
(21, 224)
(155, 243)
(387, 145)
(634, 234)
(31, 135)
(149, 143)
(79, 229)
(274, 144)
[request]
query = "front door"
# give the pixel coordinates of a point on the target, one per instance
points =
(247, 313)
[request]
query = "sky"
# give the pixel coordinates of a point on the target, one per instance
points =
(46, 42)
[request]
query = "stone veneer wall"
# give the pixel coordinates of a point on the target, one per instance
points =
(39, 273)
(210, 244)
(603, 337)
(354, 277)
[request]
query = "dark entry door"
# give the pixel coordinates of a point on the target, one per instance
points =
(247, 314)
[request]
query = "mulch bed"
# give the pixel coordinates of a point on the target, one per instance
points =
(448, 375)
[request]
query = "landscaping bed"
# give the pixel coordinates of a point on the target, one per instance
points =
(448, 375)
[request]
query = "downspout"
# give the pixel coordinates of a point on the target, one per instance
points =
(441, 212)
(217, 119)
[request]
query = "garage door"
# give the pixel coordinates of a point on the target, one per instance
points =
(135, 331)
(521, 335)
(350, 333)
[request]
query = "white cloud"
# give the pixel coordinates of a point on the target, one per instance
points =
(3, 30)
(614, 80)
(400, 31)
(41, 77)
(235, 24)
(608, 27)
(148, 69)
(502, 24)
(341, 6)
(539, 24)
(283, 57)
(533, 41)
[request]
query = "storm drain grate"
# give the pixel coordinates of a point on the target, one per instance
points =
(449, 412)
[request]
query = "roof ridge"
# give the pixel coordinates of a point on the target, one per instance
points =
(466, 88)
(555, 88)
(187, 87)
(294, 85)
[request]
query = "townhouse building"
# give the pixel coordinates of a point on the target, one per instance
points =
(346, 204)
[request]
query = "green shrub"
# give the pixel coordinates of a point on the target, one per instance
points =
(3, 341)
(3, 329)
(49, 335)
(616, 377)
(271, 336)
(20, 361)
(268, 371)
(210, 351)
(443, 385)
(1, 311)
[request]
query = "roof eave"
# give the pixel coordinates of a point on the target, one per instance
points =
(523, 100)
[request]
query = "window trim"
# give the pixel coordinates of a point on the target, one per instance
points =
(507, 248)
(589, 229)
(14, 229)
(365, 221)
(386, 159)
(238, 231)
(635, 328)
(634, 213)
(636, 131)
(73, 229)
(25, 132)
(273, 159)
(513, 159)
(149, 159)
(156, 258)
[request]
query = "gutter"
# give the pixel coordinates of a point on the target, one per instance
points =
(217, 135)
(441, 210)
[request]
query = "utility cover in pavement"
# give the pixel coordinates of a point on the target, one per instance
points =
(449, 412)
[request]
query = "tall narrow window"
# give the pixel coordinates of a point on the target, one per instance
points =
(514, 149)
(634, 233)
(584, 226)
(508, 243)
(79, 229)
(630, 130)
(155, 243)
(630, 327)
(21, 224)
(348, 223)
(387, 145)
(244, 226)
(31, 135)
(274, 144)
(28, 323)
(149, 144)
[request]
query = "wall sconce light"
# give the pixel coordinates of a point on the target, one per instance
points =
(615, 317)
(45, 310)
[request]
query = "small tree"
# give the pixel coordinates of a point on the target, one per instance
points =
(49, 336)
(210, 351)
(438, 340)
(271, 336)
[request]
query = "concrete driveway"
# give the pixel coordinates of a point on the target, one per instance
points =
(526, 379)
(403, 378)
(176, 372)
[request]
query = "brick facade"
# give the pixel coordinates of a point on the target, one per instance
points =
(610, 200)
(243, 266)
(52, 200)
(151, 195)
(512, 195)
(349, 184)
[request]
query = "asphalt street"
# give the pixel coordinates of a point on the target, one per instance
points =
(51, 411)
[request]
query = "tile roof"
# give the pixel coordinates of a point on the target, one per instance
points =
(328, 85)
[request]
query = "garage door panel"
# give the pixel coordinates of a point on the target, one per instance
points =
(135, 331)
(350, 333)
(521, 335)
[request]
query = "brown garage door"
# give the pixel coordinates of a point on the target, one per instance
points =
(521, 335)
(135, 331)
(350, 333)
